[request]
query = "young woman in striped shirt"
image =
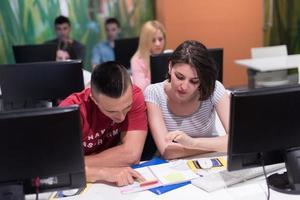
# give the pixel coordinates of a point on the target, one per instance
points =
(182, 109)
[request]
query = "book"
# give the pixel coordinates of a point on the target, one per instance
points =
(161, 175)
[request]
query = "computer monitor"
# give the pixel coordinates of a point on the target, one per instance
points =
(159, 64)
(217, 55)
(159, 67)
(264, 129)
(124, 50)
(34, 53)
(29, 83)
(41, 150)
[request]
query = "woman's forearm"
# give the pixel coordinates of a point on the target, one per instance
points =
(173, 151)
(210, 144)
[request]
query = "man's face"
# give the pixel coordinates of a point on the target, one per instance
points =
(63, 31)
(114, 108)
(112, 31)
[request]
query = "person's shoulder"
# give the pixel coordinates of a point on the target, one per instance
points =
(77, 98)
(136, 62)
(155, 89)
(137, 94)
(136, 90)
(102, 45)
(155, 86)
(219, 86)
(138, 103)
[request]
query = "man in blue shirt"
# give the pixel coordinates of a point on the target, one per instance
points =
(104, 51)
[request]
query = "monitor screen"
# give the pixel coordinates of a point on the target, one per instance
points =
(264, 129)
(124, 50)
(43, 144)
(34, 53)
(217, 55)
(159, 65)
(40, 81)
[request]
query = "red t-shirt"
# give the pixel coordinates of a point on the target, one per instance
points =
(99, 131)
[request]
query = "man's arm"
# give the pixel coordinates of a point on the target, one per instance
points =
(125, 154)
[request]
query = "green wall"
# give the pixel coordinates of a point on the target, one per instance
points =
(31, 21)
(282, 24)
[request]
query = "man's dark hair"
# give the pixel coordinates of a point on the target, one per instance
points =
(196, 55)
(111, 79)
(112, 20)
(61, 20)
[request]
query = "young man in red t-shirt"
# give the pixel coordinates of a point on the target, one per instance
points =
(114, 124)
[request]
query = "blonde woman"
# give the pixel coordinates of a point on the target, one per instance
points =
(152, 40)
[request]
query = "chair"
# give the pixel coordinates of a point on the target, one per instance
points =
(272, 78)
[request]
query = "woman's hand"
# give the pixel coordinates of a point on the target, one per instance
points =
(180, 137)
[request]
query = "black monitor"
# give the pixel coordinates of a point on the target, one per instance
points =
(217, 55)
(159, 65)
(265, 129)
(32, 82)
(125, 49)
(41, 150)
(34, 53)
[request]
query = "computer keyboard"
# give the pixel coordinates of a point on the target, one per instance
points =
(222, 179)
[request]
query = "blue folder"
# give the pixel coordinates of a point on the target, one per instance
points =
(161, 189)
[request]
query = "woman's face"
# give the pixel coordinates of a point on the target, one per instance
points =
(184, 81)
(158, 43)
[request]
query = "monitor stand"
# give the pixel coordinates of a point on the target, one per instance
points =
(289, 181)
(12, 192)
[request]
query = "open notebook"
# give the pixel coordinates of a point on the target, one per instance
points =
(161, 175)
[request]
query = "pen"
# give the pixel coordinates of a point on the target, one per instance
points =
(147, 183)
(174, 139)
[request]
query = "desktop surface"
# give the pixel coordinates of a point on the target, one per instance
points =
(271, 63)
(248, 190)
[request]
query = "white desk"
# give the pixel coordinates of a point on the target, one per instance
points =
(269, 64)
(254, 189)
(246, 191)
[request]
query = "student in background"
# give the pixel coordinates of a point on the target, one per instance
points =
(104, 51)
(152, 40)
(67, 48)
(114, 124)
(181, 109)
